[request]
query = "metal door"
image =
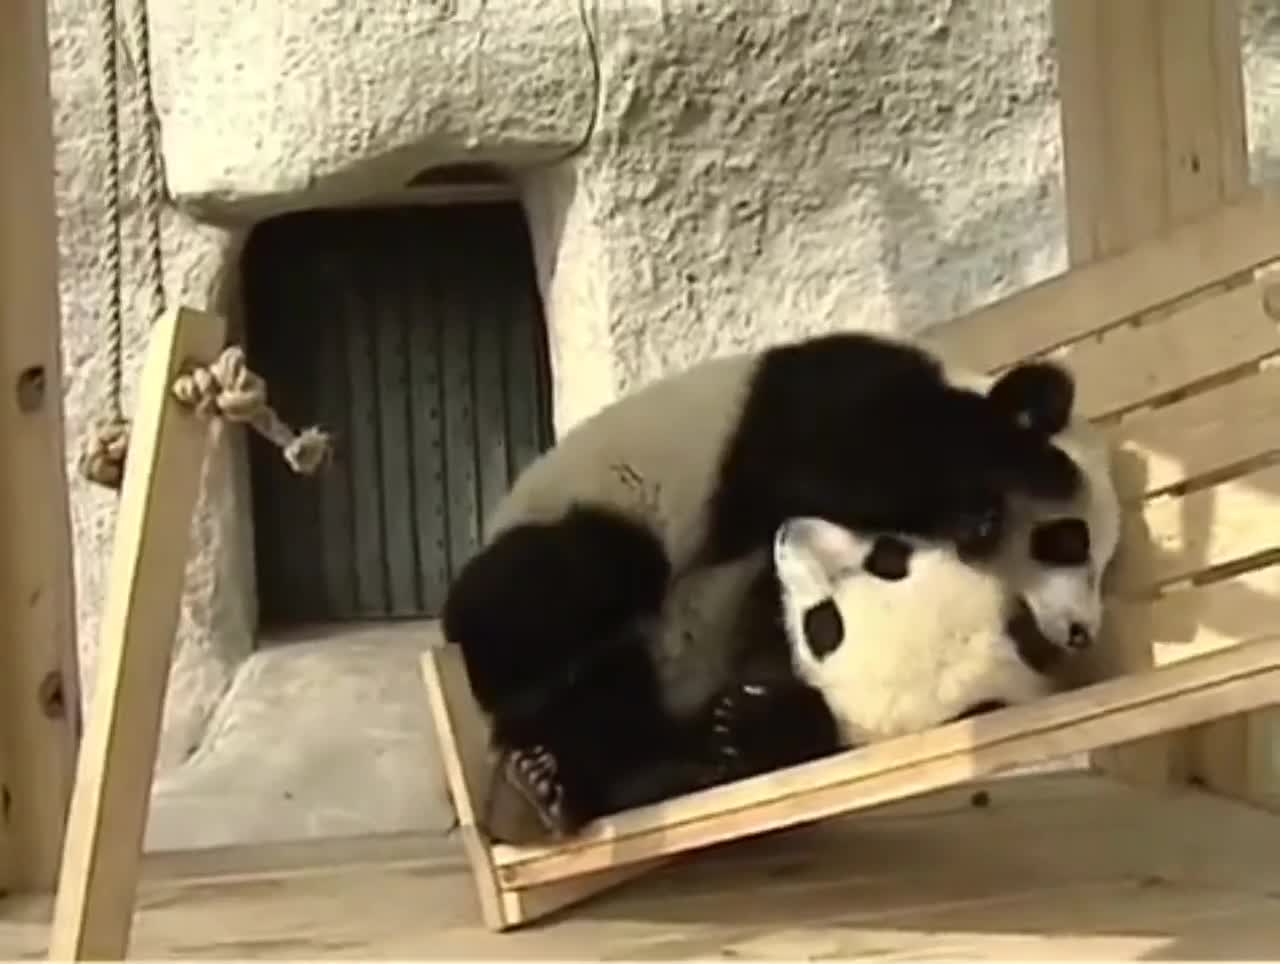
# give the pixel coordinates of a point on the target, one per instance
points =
(416, 335)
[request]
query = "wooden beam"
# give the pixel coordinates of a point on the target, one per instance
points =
(1153, 126)
(39, 691)
(1115, 710)
(167, 444)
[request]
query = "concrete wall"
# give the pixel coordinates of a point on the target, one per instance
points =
(699, 176)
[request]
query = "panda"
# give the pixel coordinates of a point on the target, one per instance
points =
(594, 620)
(890, 634)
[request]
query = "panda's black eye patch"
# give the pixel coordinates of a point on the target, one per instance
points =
(889, 559)
(823, 628)
(1063, 542)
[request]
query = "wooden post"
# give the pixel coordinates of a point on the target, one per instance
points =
(1153, 127)
(39, 691)
(167, 445)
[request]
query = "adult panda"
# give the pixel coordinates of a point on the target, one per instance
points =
(593, 621)
(889, 634)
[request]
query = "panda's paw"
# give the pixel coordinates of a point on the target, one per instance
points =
(737, 716)
(534, 772)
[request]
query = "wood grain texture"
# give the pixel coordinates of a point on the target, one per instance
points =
(1154, 137)
(1051, 868)
(39, 685)
(112, 792)
(1114, 711)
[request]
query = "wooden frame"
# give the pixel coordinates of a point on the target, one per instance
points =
(1176, 356)
(1153, 118)
(1170, 326)
(39, 686)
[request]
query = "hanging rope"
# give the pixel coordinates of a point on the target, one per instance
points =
(228, 388)
(103, 450)
(104, 447)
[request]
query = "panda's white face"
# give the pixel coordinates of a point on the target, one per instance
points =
(1054, 555)
(904, 650)
(897, 634)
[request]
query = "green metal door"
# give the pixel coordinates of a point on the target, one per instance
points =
(416, 335)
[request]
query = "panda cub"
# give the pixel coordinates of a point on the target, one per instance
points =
(592, 620)
(892, 634)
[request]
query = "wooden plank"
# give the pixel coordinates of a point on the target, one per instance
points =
(1199, 436)
(1051, 869)
(109, 805)
(461, 729)
(463, 735)
(1193, 620)
(1204, 123)
(1175, 537)
(1088, 298)
(530, 904)
(1137, 363)
(39, 686)
(1124, 72)
(1115, 710)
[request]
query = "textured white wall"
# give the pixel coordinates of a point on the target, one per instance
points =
(754, 170)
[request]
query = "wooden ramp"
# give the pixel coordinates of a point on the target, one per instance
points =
(1173, 345)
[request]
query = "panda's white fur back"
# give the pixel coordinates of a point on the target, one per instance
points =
(697, 639)
(917, 651)
(652, 456)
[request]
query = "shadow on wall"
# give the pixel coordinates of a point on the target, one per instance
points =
(935, 272)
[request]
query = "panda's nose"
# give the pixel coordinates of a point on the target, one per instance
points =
(1079, 637)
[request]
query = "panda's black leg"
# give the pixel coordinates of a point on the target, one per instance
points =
(604, 743)
(531, 609)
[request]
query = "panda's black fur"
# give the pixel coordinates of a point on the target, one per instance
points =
(554, 615)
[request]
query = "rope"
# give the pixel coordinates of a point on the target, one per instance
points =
(227, 388)
(102, 453)
(104, 447)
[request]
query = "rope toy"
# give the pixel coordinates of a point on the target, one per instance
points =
(102, 456)
(228, 388)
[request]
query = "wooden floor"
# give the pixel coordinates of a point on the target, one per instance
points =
(1063, 866)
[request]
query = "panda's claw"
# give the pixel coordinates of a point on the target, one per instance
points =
(535, 775)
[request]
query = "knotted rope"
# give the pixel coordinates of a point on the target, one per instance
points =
(228, 388)
(104, 445)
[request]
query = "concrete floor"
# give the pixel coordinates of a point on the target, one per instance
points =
(324, 733)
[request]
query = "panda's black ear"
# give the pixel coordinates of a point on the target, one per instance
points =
(1036, 395)
(889, 559)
